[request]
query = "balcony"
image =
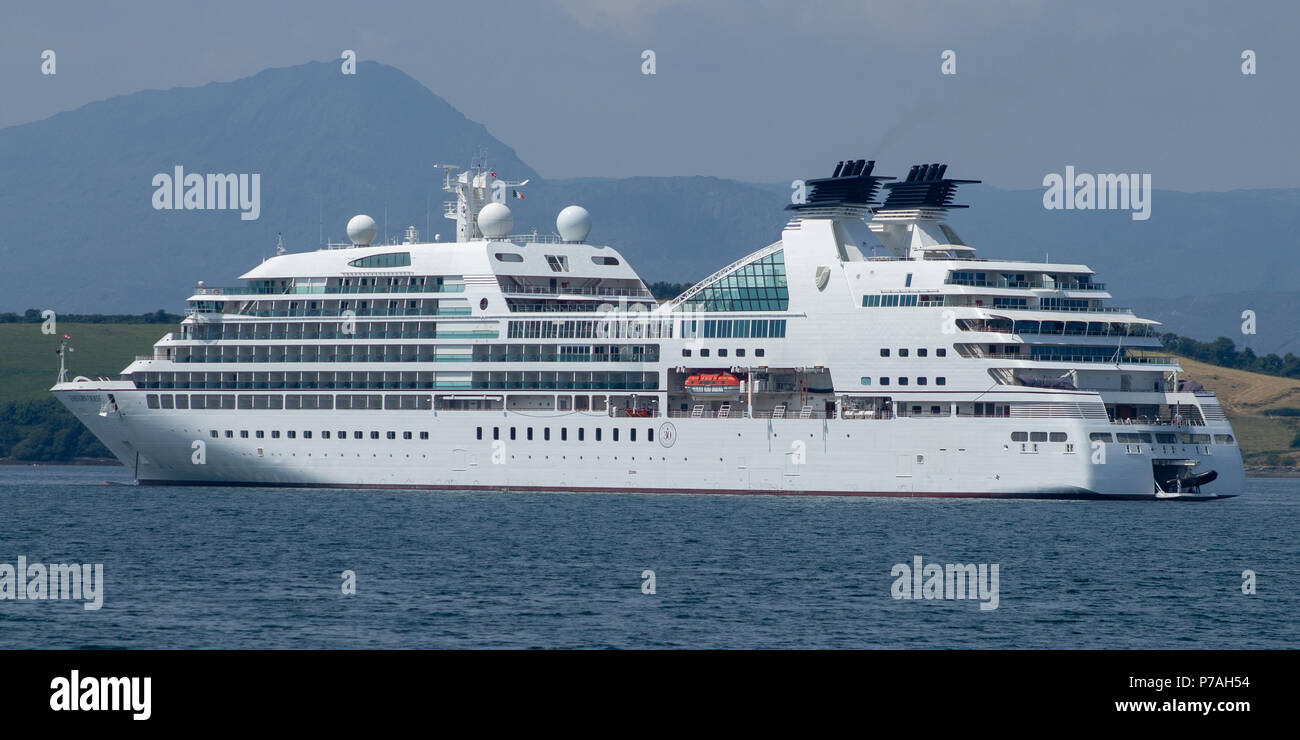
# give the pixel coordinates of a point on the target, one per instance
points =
(329, 289)
(597, 292)
(1106, 360)
(1024, 284)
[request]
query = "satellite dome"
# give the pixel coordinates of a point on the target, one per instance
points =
(573, 223)
(362, 230)
(495, 220)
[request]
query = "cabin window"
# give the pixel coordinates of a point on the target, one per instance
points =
(884, 352)
(1038, 436)
(941, 381)
(866, 381)
(941, 352)
(902, 352)
(1057, 436)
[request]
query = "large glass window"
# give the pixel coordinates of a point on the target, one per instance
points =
(757, 286)
(395, 259)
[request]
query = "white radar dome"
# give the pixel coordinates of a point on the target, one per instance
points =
(362, 230)
(495, 220)
(573, 223)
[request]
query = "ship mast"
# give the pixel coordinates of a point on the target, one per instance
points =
(62, 352)
(474, 188)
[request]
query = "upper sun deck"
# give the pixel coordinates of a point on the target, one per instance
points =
(441, 267)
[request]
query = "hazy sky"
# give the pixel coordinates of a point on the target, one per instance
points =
(758, 90)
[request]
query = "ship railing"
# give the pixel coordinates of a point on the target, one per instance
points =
(1103, 359)
(329, 289)
(1069, 309)
(738, 412)
(536, 238)
(1024, 284)
(1161, 421)
(538, 290)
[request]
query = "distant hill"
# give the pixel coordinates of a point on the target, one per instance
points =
(1211, 315)
(80, 233)
(1251, 401)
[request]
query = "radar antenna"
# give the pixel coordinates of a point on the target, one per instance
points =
(62, 352)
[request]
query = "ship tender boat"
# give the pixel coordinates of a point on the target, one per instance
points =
(713, 385)
(867, 351)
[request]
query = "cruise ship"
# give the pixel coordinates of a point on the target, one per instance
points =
(867, 351)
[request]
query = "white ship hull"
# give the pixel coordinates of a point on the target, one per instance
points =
(947, 457)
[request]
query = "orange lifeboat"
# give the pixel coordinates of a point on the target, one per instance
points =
(713, 385)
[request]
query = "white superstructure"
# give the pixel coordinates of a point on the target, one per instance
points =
(866, 352)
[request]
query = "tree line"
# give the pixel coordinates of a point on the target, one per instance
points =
(1224, 353)
(44, 431)
(33, 316)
